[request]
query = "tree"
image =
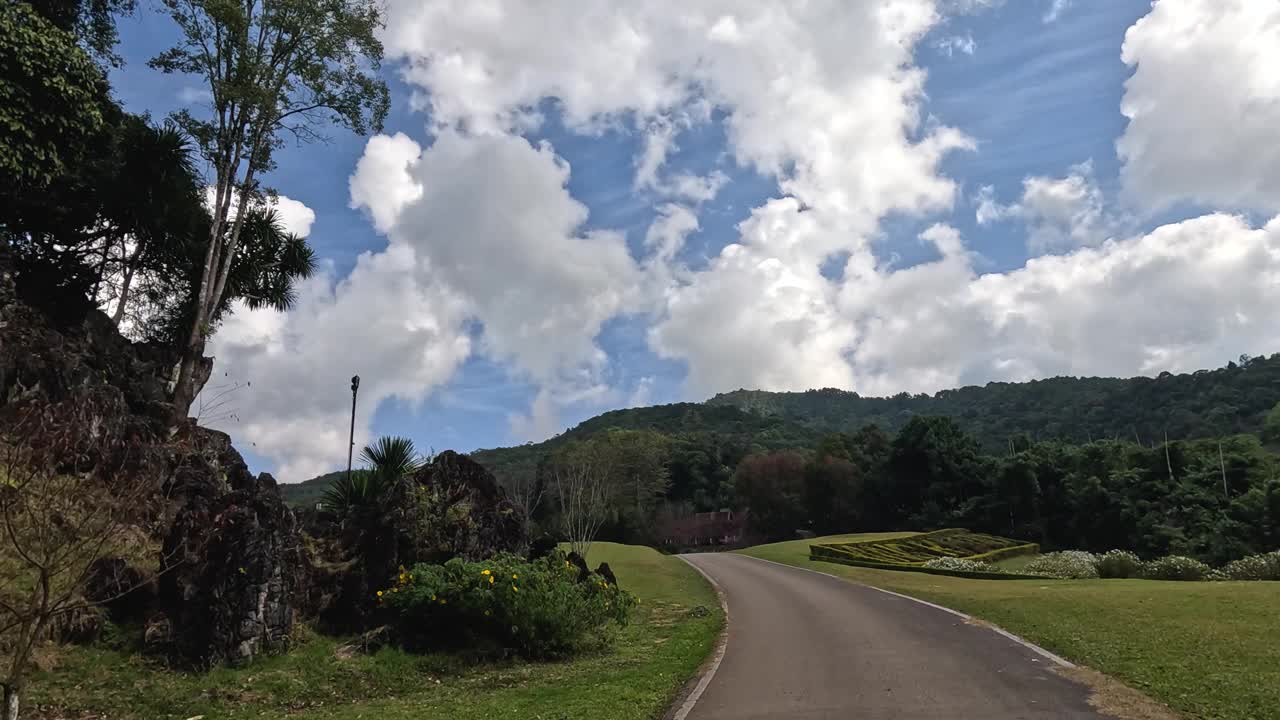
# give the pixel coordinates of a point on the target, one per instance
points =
(91, 22)
(51, 98)
(936, 473)
(387, 461)
(771, 487)
(1271, 426)
(68, 498)
(581, 483)
(273, 67)
(635, 461)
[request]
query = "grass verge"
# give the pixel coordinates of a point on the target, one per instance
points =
(1210, 650)
(635, 679)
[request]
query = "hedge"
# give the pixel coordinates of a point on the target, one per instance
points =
(817, 552)
(915, 550)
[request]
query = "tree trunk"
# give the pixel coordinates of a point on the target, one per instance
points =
(9, 711)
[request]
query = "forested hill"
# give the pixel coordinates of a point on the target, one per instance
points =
(709, 439)
(1206, 403)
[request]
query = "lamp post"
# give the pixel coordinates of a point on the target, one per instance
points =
(351, 443)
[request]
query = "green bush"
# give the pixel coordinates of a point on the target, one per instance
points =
(1175, 567)
(1254, 567)
(504, 604)
(1068, 564)
(961, 564)
(1119, 564)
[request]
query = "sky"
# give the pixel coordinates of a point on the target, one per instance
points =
(578, 206)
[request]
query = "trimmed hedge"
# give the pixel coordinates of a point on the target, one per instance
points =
(916, 550)
(822, 553)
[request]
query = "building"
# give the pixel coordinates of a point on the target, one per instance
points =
(722, 527)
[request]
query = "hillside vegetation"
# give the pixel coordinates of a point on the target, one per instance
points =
(1207, 403)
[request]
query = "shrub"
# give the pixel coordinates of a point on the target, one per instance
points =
(1119, 564)
(1068, 564)
(961, 565)
(534, 608)
(1254, 567)
(1175, 567)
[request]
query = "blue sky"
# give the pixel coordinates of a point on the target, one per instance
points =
(1033, 97)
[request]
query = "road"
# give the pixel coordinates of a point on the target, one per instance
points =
(805, 646)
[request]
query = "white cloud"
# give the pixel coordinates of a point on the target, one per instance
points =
(190, 95)
(492, 238)
(1182, 297)
(499, 227)
(1060, 213)
(1203, 105)
(1056, 8)
(949, 45)
(294, 215)
(387, 321)
(382, 181)
(490, 253)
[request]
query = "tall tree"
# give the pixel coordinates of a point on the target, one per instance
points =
(771, 487)
(272, 67)
(52, 99)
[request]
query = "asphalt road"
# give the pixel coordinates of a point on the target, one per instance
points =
(806, 646)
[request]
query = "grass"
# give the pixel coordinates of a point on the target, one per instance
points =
(634, 679)
(1209, 650)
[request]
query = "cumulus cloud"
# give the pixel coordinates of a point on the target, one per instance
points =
(387, 321)
(822, 96)
(382, 182)
(492, 239)
(488, 252)
(294, 215)
(1203, 105)
(1184, 296)
(1060, 213)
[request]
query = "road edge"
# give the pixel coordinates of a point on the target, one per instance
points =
(1057, 659)
(693, 689)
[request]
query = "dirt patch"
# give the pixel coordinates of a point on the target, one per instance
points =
(1115, 699)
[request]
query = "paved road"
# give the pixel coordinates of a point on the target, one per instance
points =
(804, 646)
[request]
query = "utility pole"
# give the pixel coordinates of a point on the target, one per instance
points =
(351, 443)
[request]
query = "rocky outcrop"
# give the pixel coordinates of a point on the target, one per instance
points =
(227, 572)
(126, 592)
(230, 567)
(464, 512)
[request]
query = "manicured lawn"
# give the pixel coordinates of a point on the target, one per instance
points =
(635, 679)
(1209, 650)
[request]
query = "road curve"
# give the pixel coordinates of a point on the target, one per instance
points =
(805, 646)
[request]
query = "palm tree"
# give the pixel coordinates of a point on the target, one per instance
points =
(388, 460)
(391, 457)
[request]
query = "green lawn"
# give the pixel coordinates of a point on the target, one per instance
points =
(633, 680)
(1209, 650)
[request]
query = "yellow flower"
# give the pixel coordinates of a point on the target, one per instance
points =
(379, 593)
(515, 589)
(433, 597)
(515, 576)
(443, 601)
(485, 572)
(490, 579)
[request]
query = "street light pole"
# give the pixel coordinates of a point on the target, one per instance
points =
(351, 443)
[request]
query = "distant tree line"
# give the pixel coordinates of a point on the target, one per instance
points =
(1206, 403)
(1213, 499)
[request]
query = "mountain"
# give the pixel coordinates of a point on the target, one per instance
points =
(711, 437)
(1206, 403)
(307, 494)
